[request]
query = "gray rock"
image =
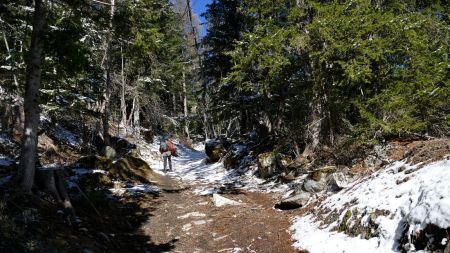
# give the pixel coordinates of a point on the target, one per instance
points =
(110, 153)
(298, 199)
(372, 161)
(314, 186)
(87, 251)
(381, 151)
(338, 181)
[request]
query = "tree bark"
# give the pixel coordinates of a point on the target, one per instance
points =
(107, 93)
(320, 129)
(123, 108)
(28, 153)
(185, 107)
(136, 121)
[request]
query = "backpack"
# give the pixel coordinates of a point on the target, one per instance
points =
(163, 147)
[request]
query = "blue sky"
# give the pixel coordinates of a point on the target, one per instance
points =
(199, 6)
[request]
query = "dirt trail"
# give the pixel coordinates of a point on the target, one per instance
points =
(193, 224)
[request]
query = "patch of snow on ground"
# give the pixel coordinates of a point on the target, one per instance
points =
(418, 197)
(135, 189)
(190, 166)
(192, 214)
(66, 136)
(79, 172)
(199, 146)
(222, 201)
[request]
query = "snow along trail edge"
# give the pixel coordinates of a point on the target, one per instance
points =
(413, 196)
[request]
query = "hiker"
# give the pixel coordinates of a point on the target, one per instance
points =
(167, 149)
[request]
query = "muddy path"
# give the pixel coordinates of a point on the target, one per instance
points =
(192, 223)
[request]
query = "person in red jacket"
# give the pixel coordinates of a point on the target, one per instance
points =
(167, 149)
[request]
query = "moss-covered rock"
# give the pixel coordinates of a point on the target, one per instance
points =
(322, 172)
(136, 170)
(214, 150)
(343, 225)
(267, 164)
(94, 162)
(94, 181)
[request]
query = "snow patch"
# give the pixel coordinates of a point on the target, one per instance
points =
(222, 201)
(66, 136)
(135, 189)
(415, 195)
(192, 214)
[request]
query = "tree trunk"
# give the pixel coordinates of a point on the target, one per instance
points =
(136, 120)
(107, 93)
(205, 116)
(131, 112)
(174, 104)
(123, 108)
(28, 154)
(185, 107)
(320, 128)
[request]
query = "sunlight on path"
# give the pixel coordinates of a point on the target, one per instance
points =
(190, 166)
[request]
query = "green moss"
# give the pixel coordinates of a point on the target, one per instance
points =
(343, 227)
(317, 174)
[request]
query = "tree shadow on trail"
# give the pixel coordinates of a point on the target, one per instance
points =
(118, 229)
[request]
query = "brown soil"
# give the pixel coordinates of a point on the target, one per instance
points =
(419, 151)
(193, 224)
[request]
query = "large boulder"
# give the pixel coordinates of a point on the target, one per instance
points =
(136, 170)
(94, 162)
(311, 185)
(317, 180)
(214, 150)
(338, 181)
(323, 172)
(121, 146)
(267, 165)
